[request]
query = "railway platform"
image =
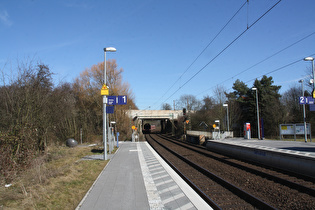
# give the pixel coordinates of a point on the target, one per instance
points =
(295, 156)
(136, 177)
(289, 147)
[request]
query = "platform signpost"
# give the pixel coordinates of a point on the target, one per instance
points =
(121, 100)
(306, 100)
(111, 101)
(117, 100)
(110, 109)
(104, 90)
(105, 93)
(303, 100)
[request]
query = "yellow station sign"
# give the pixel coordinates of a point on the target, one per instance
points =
(104, 90)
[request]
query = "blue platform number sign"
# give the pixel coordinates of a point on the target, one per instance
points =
(310, 100)
(306, 100)
(110, 109)
(116, 100)
(121, 100)
(111, 100)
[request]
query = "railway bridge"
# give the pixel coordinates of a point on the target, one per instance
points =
(154, 120)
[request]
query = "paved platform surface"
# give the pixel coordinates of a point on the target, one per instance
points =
(137, 178)
(290, 147)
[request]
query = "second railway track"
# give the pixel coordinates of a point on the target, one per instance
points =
(235, 184)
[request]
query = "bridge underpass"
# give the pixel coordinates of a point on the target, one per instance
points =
(154, 121)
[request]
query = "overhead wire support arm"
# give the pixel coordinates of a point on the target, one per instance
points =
(265, 59)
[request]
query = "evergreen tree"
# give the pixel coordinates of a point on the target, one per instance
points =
(271, 111)
(270, 107)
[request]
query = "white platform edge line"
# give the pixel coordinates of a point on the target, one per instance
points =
(154, 199)
(198, 202)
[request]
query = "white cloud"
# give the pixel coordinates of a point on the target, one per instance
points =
(5, 18)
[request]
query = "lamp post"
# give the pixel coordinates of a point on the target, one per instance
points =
(227, 116)
(258, 124)
(304, 115)
(313, 92)
(108, 49)
(312, 59)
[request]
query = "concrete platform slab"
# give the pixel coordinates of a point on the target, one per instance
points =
(290, 147)
(294, 156)
(138, 178)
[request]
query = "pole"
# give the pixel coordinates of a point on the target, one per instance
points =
(227, 115)
(104, 111)
(304, 114)
(81, 135)
(313, 96)
(258, 124)
(173, 128)
(219, 131)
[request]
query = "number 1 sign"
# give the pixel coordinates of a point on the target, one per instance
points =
(117, 100)
(121, 100)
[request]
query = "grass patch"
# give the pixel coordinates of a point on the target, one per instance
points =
(57, 180)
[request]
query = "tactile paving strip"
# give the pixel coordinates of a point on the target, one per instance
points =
(163, 191)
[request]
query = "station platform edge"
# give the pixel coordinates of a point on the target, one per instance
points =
(136, 177)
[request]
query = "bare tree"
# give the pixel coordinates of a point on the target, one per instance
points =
(166, 106)
(220, 94)
(190, 102)
(290, 100)
(87, 89)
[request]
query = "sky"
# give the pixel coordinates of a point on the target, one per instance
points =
(167, 48)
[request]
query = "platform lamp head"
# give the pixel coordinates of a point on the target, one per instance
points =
(109, 49)
(312, 59)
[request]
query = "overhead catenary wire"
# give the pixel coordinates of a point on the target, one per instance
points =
(265, 59)
(215, 37)
(277, 69)
(280, 68)
(231, 43)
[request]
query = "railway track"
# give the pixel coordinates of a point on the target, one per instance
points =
(233, 184)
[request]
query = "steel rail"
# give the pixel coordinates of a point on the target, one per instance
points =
(293, 185)
(186, 179)
(241, 193)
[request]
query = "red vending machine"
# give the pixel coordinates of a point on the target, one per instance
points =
(246, 130)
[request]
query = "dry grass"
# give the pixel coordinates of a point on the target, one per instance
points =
(58, 180)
